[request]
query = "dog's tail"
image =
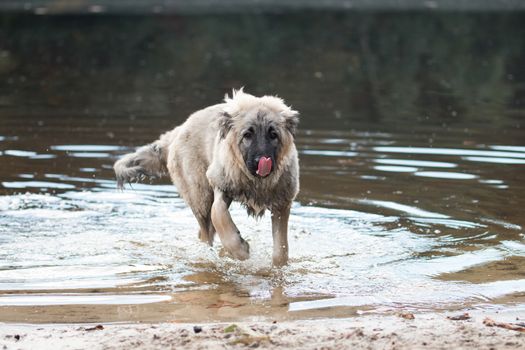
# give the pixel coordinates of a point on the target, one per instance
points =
(147, 161)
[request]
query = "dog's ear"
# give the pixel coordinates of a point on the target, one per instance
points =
(225, 124)
(291, 120)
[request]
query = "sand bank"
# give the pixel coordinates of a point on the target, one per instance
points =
(424, 331)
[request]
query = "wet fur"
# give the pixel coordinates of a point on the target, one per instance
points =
(206, 161)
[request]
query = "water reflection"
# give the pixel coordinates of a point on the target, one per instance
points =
(439, 69)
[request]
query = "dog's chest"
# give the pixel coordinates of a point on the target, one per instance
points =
(255, 199)
(254, 208)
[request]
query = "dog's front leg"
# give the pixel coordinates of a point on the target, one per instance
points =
(280, 235)
(228, 233)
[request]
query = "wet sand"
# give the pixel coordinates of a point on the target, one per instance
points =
(425, 330)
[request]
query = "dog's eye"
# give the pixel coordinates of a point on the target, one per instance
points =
(248, 134)
(272, 134)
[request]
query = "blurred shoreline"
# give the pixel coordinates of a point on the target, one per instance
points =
(42, 7)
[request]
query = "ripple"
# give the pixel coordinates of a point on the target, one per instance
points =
(89, 154)
(498, 160)
(28, 154)
(328, 153)
(36, 184)
(78, 179)
(416, 163)
(87, 148)
(19, 153)
(333, 141)
(396, 169)
(451, 223)
(508, 148)
(491, 181)
(43, 156)
(448, 151)
(446, 175)
(403, 208)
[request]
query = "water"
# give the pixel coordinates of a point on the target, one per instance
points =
(411, 192)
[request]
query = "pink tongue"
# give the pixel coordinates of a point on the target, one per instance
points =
(264, 167)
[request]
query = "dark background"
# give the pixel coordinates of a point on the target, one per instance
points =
(383, 70)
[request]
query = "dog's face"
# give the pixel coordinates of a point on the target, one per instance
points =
(260, 139)
(262, 129)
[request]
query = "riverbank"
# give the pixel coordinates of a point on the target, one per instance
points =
(45, 7)
(402, 331)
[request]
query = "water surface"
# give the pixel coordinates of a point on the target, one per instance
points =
(412, 189)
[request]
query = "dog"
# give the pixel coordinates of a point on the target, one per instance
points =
(240, 150)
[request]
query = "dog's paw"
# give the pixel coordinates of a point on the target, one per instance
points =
(280, 259)
(241, 251)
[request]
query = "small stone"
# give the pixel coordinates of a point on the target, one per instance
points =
(197, 329)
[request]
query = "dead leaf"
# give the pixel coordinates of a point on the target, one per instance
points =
(462, 317)
(406, 315)
(222, 303)
(512, 326)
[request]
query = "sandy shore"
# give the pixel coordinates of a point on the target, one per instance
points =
(424, 331)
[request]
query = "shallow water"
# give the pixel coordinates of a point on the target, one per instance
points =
(396, 212)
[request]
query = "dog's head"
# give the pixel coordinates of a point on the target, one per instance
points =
(262, 129)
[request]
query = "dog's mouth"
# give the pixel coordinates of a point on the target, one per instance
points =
(264, 166)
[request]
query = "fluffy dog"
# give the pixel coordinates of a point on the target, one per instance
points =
(240, 150)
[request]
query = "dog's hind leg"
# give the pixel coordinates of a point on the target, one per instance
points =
(200, 200)
(199, 196)
(188, 174)
(206, 228)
